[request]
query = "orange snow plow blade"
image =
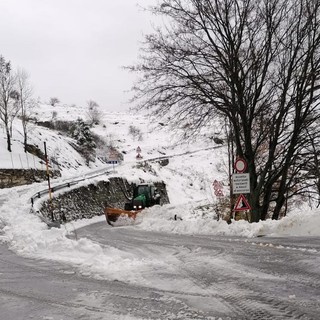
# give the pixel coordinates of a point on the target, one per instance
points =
(113, 214)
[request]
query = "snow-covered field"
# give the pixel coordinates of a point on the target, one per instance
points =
(189, 175)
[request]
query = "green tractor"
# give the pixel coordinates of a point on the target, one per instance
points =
(144, 196)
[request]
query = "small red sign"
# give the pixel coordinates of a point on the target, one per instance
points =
(218, 193)
(240, 165)
(216, 185)
(241, 204)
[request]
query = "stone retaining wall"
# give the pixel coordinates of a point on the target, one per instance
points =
(17, 177)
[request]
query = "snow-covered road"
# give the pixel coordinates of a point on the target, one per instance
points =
(208, 277)
(177, 277)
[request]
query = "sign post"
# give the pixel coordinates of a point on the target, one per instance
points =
(113, 158)
(48, 178)
(218, 192)
(241, 185)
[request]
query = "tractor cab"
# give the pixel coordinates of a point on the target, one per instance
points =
(144, 196)
(150, 193)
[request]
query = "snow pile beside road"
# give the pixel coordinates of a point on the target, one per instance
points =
(25, 234)
(185, 219)
(296, 224)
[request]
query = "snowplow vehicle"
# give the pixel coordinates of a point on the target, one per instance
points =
(144, 196)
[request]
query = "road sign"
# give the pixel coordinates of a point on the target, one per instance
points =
(217, 186)
(240, 165)
(112, 156)
(240, 183)
(138, 150)
(218, 193)
(242, 204)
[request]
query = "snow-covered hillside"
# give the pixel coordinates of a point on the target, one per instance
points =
(192, 168)
(58, 148)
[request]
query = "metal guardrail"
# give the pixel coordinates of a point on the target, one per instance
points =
(165, 157)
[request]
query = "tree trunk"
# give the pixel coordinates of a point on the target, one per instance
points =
(255, 206)
(25, 136)
(8, 140)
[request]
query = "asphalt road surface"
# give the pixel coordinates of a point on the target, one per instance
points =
(204, 278)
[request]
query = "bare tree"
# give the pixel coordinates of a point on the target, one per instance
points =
(8, 109)
(53, 101)
(14, 108)
(256, 63)
(25, 102)
(135, 132)
(93, 112)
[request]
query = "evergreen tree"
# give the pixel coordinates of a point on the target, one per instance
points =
(80, 131)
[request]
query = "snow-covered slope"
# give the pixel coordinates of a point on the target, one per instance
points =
(58, 148)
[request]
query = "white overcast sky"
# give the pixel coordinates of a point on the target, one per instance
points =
(75, 49)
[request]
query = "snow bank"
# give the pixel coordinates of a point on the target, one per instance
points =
(185, 220)
(28, 236)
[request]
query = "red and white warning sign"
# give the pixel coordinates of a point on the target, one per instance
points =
(240, 165)
(217, 186)
(139, 156)
(241, 204)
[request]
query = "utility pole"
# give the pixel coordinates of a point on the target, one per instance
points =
(48, 178)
